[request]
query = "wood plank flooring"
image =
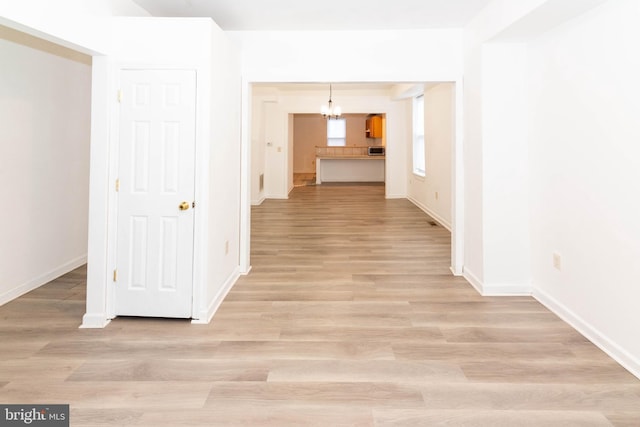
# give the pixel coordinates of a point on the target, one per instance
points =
(349, 317)
(301, 179)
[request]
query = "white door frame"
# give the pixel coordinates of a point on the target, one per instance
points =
(201, 188)
(457, 177)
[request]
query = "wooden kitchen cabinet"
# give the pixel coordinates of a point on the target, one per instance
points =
(374, 127)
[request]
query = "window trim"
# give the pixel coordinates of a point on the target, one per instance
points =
(339, 138)
(417, 132)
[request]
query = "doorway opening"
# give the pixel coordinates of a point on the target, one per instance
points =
(44, 156)
(273, 155)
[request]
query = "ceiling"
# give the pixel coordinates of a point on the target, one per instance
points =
(261, 15)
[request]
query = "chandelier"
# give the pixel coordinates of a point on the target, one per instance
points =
(330, 111)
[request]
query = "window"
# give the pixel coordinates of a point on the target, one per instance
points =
(337, 132)
(418, 136)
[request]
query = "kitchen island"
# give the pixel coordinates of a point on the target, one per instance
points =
(348, 164)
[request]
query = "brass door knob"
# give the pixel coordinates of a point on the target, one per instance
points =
(184, 206)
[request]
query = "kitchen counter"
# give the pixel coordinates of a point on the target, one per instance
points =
(350, 168)
(350, 157)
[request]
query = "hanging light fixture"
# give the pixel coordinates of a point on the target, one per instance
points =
(330, 111)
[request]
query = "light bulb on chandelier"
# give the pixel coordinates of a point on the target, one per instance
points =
(330, 111)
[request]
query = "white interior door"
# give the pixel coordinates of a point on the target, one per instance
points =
(156, 193)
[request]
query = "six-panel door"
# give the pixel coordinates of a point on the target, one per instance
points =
(156, 191)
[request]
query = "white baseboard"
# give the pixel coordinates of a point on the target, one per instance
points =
(100, 320)
(395, 196)
(514, 290)
(617, 353)
(472, 279)
(42, 279)
(454, 272)
(258, 202)
(207, 315)
(431, 213)
(94, 321)
(496, 290)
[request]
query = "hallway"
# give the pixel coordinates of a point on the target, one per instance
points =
(350, 316)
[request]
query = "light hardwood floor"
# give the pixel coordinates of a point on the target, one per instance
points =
(349, 317)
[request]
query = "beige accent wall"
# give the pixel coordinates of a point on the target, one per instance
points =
(310, 131)
(356, 127)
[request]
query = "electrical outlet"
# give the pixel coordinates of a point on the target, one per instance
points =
(557, 261)
(436, 195)
(226, 247)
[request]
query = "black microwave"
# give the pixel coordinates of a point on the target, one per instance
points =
(375, 151)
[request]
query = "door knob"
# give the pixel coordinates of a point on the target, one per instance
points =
(183, 206)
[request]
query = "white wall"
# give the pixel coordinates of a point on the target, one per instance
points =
(496, 217)
(439, 136)
(224, 201)
(257, 141)
(274, 141)
(569, 145)
(139, 42)
(44, 161)
(472, 164)
(77, 24)
(486, 118)
(290, 141)
(85, 27)
(505, 203)
(142, 43)
(585, 175)
(183, 43)
(350, 56)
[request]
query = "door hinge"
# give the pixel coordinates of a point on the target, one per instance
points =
(120, 95)
(115, 275)
(117, 185)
